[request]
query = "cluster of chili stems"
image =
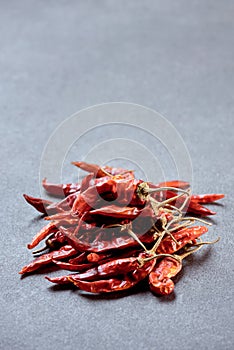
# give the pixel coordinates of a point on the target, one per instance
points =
(112, 247)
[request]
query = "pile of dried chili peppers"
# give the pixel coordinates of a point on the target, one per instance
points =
(113, 230)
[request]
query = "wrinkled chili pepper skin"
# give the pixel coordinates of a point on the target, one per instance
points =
(38, 203)
(182, 236)
(167, 267)
(115, 211)
(115, 284)
(111, 268)
(60, 190)
(100, 246)
(60, 279)
(123, 191)
(160, 287)
(46, 259)
(72, 267)
(45, 232)
(160, 278)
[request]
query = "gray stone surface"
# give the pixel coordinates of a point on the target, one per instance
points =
(57, 57)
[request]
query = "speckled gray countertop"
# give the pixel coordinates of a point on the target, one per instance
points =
(57, 57)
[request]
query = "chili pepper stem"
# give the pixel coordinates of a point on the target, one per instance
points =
(197, 219)
(170, 200)
(40, 250)
(156, 256)
(159, 189)
(134, 236)
(153, 250)
(191, 251)
(185, 224)
(211, 242)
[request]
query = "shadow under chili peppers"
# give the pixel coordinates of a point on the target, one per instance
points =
(61, 287)
(37, 218)
(166, 298)
(198, 259)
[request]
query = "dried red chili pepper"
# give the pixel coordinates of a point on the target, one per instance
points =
(160, 279)
(60, 190)
(45, 232)
(116, 284)
(101, 171)
(72, 267)
(123, 212)
(38, 203)
(182, 237)
(111, 250)
(63, 252)
(206, 198)
(175, 183)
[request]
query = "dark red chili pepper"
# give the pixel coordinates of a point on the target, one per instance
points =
(108, 269)
(94, 257)
(38, 203)
(103, 242)
(99, 245)
(46, 259)
(116, 284)
(78, 259)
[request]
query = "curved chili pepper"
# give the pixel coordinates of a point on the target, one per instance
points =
(38, 203)
(45, 232)
(60, 190)
(108, 269)
(160, 278)
(78, 259)
(182, 236)
(46, 259)
(160, 287)
(115, 284)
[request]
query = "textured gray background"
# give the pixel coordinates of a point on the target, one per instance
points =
(57, 57)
